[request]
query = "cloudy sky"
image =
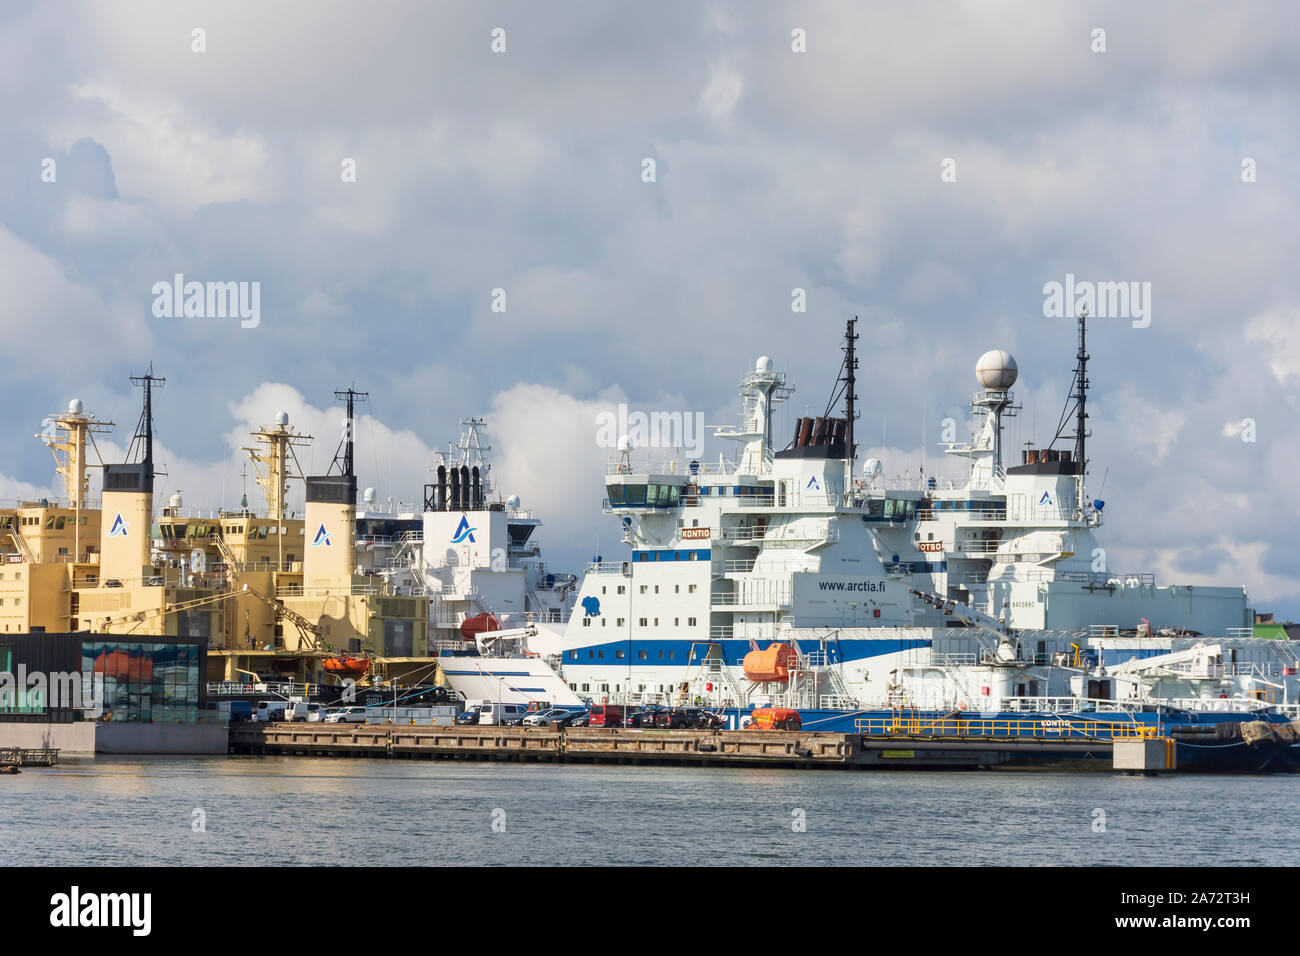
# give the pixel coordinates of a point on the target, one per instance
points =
(928, 167)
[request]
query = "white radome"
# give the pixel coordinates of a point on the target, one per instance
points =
(513, 502)
(368, 496)
(871, 467)
(996, 370)
(282, 418)
(764, 364)
(75, 406)
(624, 444)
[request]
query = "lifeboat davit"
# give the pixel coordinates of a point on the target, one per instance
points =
(771, 664)
(473, 626)
(347, 664)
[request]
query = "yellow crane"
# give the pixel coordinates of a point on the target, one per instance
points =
(311, 632)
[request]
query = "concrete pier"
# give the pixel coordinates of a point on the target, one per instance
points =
(693, 747)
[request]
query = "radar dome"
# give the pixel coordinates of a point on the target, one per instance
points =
(369, 496)
(871, 467)
(282, 418)
(512, 501)
(624, 444)
(764, 364)
(175, 500)
(75, 406)
(996, 370)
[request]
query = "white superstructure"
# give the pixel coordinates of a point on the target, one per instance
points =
(978, 590)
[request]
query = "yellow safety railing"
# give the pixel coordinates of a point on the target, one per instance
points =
(911, 725)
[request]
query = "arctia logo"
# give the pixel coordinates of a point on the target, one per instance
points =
(1045, 500)
(322, 538)
(463, 532)
(812, 483)
(119, 527)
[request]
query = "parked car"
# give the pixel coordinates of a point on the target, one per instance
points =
(346, 715)
(541, 718)
(467, 717)
(302, 710)
(579, 720)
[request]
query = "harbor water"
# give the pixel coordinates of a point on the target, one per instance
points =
(233, 811)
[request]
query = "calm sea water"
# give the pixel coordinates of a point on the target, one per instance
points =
(295, 810)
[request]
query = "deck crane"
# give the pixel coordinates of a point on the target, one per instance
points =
(311, 632)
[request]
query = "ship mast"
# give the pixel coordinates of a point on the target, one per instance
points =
(144, 430)
(850, 396)
(343, 456)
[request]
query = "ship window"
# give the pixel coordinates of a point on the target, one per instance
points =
(59, 522)
(49, 523)
(643, 589)
(619, 655)
(586, 622)
(604, 621)
(634, 494)
(621, 589)
(620, 621)
(676, 494)
(677, 622)
(643, 622)
(615, 494)
(690, 589)
(656, 589)
(677, 589)
(641, 655)
(573, 655)
(690, 622)
(665, 492)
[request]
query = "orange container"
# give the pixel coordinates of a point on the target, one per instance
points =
(775, 718)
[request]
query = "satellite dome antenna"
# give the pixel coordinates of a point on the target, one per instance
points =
(996, 371)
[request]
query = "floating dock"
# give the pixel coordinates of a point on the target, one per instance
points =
(29, 757)
(776, 748)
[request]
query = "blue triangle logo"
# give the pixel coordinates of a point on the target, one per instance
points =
(463, 532)
(119, 527)
(322, 538)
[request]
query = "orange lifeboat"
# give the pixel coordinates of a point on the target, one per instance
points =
(347, 665)
(772, 664)
(775, 718)
(473, 626)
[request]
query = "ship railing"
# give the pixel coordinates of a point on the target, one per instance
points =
(938, 514)
(979, 547)
(837, 702)
(280, 688)
(753, 501)
(1144, 579)
(911, 724)
(1237, 633)
(1227, 705)
(960, 659)
(683, 465)
(1038, 704)
(721, 631)
(355, 590)
(1103, 630)
(87, 504)
(609, 567)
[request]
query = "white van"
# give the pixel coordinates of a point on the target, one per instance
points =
(302, 710)
(265, 708)
(493, 713)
